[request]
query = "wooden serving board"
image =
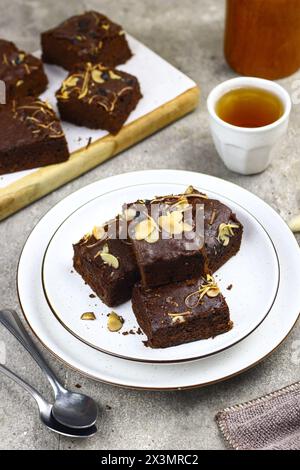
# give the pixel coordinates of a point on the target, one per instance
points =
(168, 94)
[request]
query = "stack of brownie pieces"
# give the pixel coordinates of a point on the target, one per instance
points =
(163, 253)
(94, 94)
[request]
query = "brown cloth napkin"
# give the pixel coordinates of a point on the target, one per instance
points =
(271, 422)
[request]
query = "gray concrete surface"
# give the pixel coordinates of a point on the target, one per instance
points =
(189, 34)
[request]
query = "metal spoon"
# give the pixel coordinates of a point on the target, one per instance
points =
(45, 410)
(71, 409)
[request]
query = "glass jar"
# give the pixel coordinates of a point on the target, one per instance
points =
(262, 37)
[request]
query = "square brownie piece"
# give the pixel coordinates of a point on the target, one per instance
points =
(167, 240)
(32, 136)
(223, 233)
(97, 97)
(180, 313)
(106, 265)
(90, 37)
(22, 73)
(222, 230)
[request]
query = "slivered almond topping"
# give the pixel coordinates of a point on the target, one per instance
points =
(97, 76)
(225, 232)
(114, 322)
(189, 190)
(153, 237)
(173, 223)
(213, 217)
(110, 260)
(98, 232)
(88, 316)
(71, 81)
(129, 214)
(113, 75)
(208, 287)
(144, 228)
(179, 317)
(103, 250)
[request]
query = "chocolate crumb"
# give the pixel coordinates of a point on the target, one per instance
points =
(92, 296)
(229, 287)
(107, 407)
(139, 331)
(77, 385)
(88, 143)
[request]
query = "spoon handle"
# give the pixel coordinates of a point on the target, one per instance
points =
(33, 392)
(12, 322)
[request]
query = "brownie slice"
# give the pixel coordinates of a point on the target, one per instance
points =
(222, 230)
(22, 73)
(223, 233)
(167, 242)
(31, 136)
(90, 37)
(180, 313)
(97, 97)
(107, 266)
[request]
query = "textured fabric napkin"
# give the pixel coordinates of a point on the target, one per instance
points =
(271, 422)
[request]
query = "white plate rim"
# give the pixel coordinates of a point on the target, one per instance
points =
(161, 361)
(265, 350)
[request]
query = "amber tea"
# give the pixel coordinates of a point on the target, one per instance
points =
(249, 107)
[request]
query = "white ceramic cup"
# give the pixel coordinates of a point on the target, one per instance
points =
(247, 150)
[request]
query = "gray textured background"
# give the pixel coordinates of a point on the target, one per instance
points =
(188, 34)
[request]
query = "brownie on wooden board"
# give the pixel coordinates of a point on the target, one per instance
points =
(90, 37)
(107, 266)
(31, 136)
(98, 97)
(22, 73)
(166, 242)
(180, 313)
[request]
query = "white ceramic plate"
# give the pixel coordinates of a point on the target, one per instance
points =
(266, 337)
(68, 295)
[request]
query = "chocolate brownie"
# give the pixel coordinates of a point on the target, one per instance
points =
(90, 37)
(106, 265)
(179, 313)
(98, 97)
(31, 136)
(223, 233)
(167, 242)
(222, 230)
(22, 73)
